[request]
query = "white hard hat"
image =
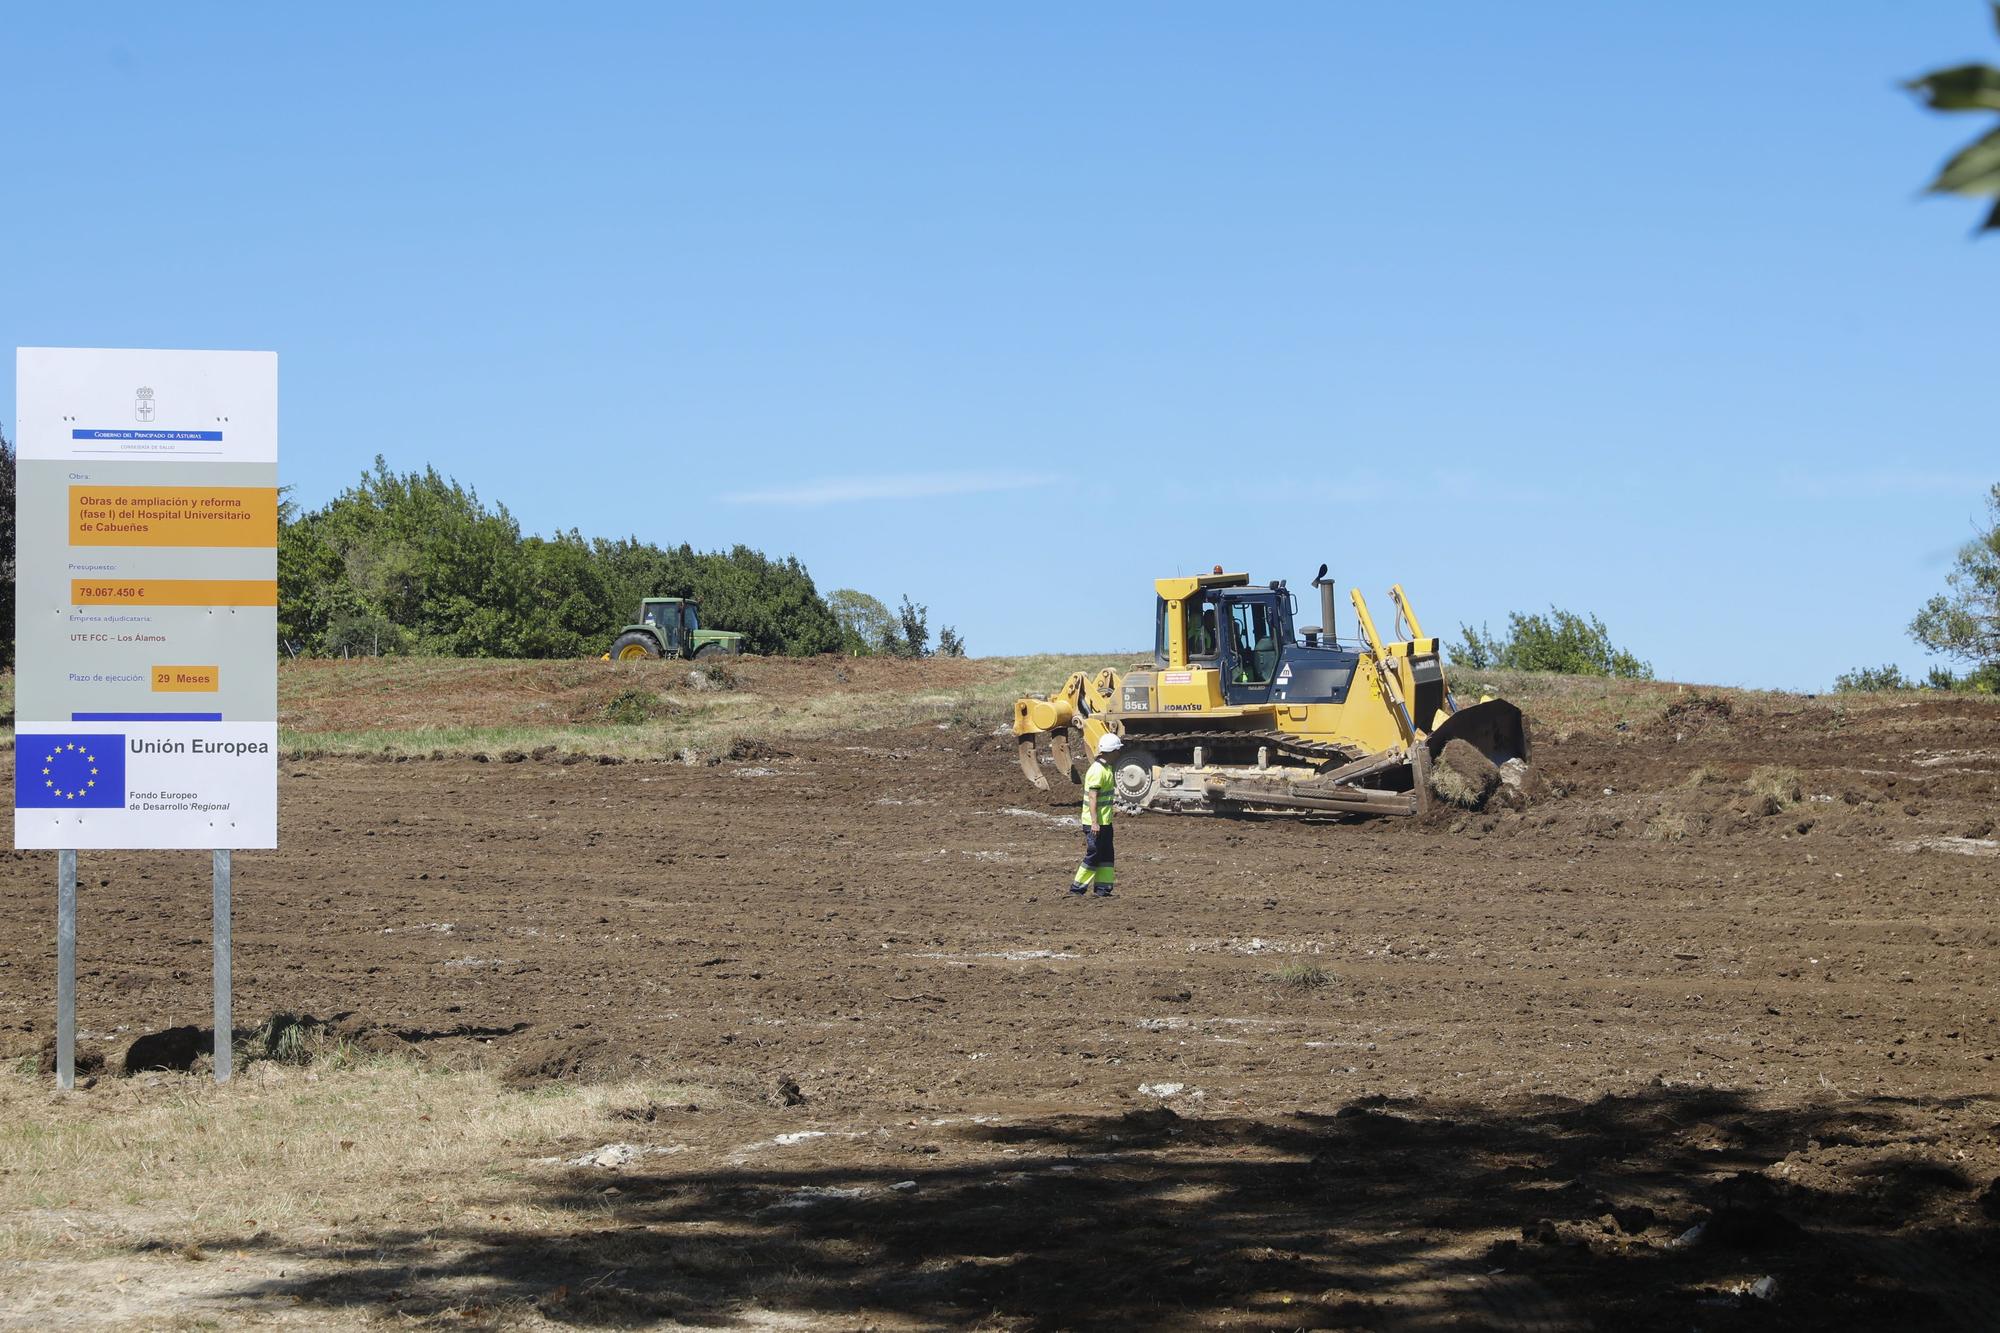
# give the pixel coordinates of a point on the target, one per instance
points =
(1107, 743)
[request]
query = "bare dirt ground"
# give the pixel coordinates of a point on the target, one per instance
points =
(1610, 1061)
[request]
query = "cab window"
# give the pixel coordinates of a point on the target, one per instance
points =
(1198, 612)
(1255, 642)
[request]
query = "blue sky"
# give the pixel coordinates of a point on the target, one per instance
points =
(1632, 309)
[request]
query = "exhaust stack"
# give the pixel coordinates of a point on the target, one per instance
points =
(1325, 586)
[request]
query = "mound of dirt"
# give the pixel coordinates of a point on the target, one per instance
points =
(570, 1059)
(1697, 711)
(173, 1049)
(87, 1061)
(1463, 776)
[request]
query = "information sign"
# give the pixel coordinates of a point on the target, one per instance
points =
(146, 692)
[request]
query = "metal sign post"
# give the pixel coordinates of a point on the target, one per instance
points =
(225, 1040)
(65, 969)
(224, 1045)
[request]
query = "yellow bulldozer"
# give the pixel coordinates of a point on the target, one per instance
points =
(1237, 712)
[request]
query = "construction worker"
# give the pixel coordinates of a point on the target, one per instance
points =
(1100, 789)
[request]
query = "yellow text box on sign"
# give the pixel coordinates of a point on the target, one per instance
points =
(119, 515)
(173, 592)
(187, 679)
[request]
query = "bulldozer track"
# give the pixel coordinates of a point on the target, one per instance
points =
(1284, 742)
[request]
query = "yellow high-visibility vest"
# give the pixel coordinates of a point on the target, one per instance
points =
(1099, 786)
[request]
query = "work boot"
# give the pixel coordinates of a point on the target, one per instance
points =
(1103, 891)
(1077, 889)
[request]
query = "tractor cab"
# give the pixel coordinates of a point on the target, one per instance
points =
(672, 619)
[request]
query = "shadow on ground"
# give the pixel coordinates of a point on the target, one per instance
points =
(1666, 1210)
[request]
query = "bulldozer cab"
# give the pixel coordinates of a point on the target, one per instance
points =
(1219, 623)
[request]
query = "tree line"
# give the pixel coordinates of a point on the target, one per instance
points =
(416, 563)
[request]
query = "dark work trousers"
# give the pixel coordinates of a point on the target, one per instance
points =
(1098, 869)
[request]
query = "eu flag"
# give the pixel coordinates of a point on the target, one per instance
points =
(69, 772)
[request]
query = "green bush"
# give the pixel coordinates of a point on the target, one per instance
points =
(634, 707)
(1560, 641)
(1980, 680)
(1865, 679)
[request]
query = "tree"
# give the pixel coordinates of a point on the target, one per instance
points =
(949, 644)
(1964, 621)
(865, 624)
(914, 638)
(6, 552)
(1560, 641)
(1975, 169)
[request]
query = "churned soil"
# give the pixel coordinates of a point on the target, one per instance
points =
(1704, 1035)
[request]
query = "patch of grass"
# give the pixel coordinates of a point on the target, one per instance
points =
(290, 1039)
(1302, 976)
(709, 677)
(1667, 826)
(1704, 775)
(634, 707)
(1779, 783)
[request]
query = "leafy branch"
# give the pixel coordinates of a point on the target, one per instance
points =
(1974, 169)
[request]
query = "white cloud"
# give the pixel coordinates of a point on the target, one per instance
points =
(898, 486)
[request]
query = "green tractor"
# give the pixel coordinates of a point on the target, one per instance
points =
(670, 627)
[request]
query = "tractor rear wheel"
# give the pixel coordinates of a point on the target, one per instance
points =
(708, 650)
(634, 647)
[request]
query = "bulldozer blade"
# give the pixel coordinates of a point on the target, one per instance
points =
(1059, 747)
(1031, 763)
(1495, 728)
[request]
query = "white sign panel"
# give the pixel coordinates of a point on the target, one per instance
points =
(146, 599)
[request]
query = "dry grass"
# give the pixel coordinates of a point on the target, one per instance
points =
(639, 710)
(1779, 783)
(1304, 976)
(1667, 826)
(1704, 775)
(281, 1159)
